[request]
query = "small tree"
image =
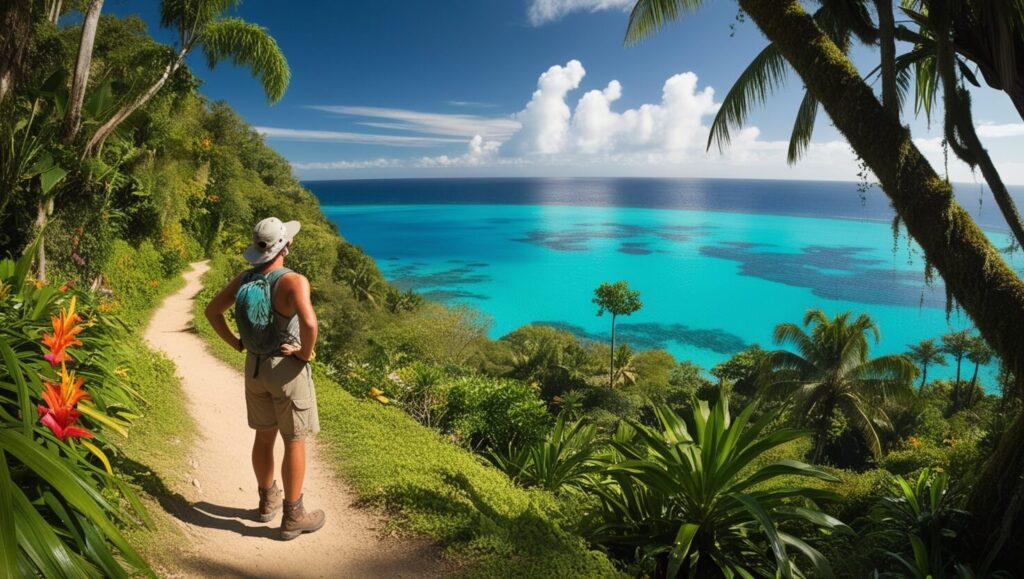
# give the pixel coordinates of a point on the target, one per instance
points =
(924, 354)
(980, 353)
(957, 344)
(618, 300)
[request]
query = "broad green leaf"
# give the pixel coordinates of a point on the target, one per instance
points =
(684, 538)
(14, 369)
(8, 539)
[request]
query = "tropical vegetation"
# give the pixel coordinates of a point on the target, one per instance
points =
(541, 453)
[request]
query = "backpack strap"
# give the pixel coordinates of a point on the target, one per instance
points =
(272, 279)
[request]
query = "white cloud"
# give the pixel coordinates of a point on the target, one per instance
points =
(479, 152)
(471, 104)
(994, 131)
(545, 120)
(358, 138)
(346, 165)
(557, 134)
(449, 125)
(543, 11)
(550, 127)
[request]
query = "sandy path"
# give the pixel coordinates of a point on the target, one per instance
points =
(226, 538)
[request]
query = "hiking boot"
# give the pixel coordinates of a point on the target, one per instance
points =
(297, 521)
(270, 503)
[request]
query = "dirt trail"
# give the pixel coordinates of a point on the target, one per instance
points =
(226, 539)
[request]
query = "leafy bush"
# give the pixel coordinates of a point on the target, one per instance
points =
(494, 413)
(134, 277)
(420, 391)
(686, 499)
(917, 525)
(62, 502)
(566, 457)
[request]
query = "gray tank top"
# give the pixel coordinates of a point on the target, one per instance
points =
(287, 327)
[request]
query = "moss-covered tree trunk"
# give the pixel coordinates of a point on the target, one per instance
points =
(15, 38)
(973, 270)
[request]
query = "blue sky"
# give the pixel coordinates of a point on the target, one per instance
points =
(447, 88)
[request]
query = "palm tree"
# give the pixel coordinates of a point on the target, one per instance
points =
(980, 353)
(768, 70)
(975, 273)
(832, 371)
(938, 64)
(199, 24)
(923, 354)
(957, 344)
(618, 300)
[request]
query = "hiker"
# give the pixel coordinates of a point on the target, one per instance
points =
(278, 329)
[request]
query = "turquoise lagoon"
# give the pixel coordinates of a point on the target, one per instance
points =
(712, 281)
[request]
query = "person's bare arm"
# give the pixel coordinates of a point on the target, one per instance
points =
(215, 313)
(299, 292)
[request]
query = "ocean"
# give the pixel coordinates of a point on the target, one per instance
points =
(718, 262)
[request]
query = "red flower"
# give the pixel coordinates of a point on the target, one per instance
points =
(65, 328)
(60, 414)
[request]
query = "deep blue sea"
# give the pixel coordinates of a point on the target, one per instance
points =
(718, 262)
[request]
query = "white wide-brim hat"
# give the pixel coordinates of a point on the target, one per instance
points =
(269, 237)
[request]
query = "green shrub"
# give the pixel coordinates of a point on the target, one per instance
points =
(565, 458)
(420, 391)
(134, 277)
(683, 496)
(63, 505)
(915, 456)
(494, 413)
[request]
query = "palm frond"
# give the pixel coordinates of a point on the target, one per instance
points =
(648, 16)
(896, 368)
(190, 15)
(854, 409)
(839, 18)
(817, 317)
(795, 336)
(249, 45)
(763, 76)
(803, 128)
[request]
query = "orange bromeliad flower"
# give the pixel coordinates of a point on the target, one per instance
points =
(60, 414)
(65, 328)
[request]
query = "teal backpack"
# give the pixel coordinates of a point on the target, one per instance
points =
(253, 313)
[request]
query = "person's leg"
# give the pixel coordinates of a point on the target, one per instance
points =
(293, 468)
(263, 457)
(297, 519)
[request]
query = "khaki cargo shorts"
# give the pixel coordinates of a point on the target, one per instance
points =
(281, 396)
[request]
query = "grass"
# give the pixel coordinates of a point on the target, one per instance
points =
(433, 488)
(153, 456)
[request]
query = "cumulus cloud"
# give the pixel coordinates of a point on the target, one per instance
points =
(545, 120)
(544, 11)
(478, 152)
(550, 127)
